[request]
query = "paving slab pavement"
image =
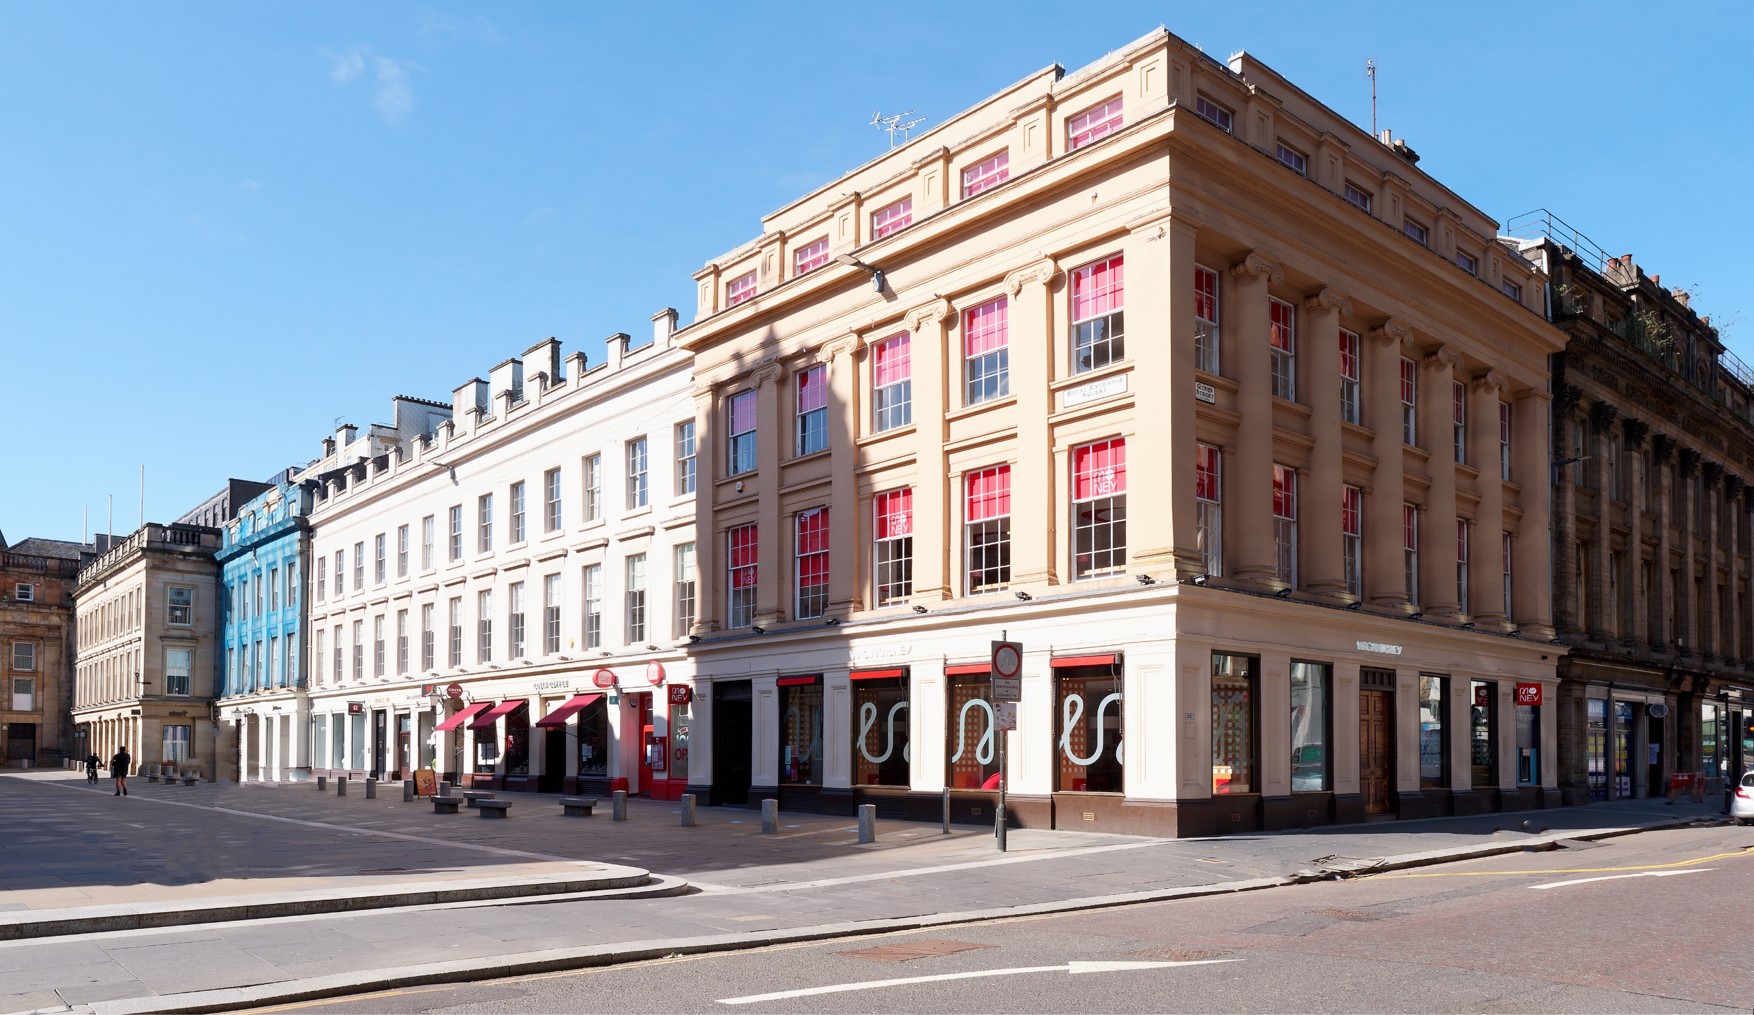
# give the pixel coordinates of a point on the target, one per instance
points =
(812, 880)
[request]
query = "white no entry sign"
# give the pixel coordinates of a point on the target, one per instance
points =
(1007, 670)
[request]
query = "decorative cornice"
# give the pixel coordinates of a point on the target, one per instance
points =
(1327, 299)
(1392, 331)
(1565, 400)
(1442, 357)
(1733, 485)
(1711, 472)
(935, 311)
(1688, 460)
(1602, 415)
(1043, 271)
(1634, 431)
(1254, 264)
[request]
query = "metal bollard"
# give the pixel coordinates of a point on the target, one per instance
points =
(688, 810)
(407, 790)
(341, 785)
(947, 810)
(867, 823)
(371, 788)
(770, 816)
(620, 801)
(322, 783)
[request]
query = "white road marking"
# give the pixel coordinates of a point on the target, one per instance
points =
(710, 888)
(1070, 967)
(1616, 877)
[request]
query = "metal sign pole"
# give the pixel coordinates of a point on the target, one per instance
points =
(999, 818)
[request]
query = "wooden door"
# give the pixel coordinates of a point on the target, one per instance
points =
(1376, 750)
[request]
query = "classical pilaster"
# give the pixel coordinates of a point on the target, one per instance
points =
(1602, 416)
(1663, 592)
(1533, 580)
(848, 582)
(1030, 290)
(1730, 638)
(1437, 536)
(1384, 577)
(709, 543)
(1710, 490)
(929, 325)
(1567, 607)
(1322, 567)
(1634, 626)
(1249, 488)
(774, 533)
(1486, 595)
(1160, 342)
(1687, 530)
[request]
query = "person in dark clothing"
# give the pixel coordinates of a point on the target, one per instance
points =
(91, 763)
(119, 770)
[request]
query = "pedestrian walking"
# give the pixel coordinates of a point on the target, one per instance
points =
(119, 770)
(91, 763)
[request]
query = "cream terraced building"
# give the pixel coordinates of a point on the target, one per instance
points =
(1261, 485)
(498, 587)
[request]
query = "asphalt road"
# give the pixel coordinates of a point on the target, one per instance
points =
(1659, 922)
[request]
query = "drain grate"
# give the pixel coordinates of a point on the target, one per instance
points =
(1173, 953)
(1358, 915)
(911, 950)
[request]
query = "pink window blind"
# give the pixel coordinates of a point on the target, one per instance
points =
(1205, 294)
(893, 514)
(893, 363)
(1206, 472)
(1099, 470)
(743, 547)
(1097, 289)
(812, 389)
(988, 493)
(813, 547)
(743, 412)
(984, 328)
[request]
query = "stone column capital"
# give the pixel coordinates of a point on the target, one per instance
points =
(1392, 332)
(1325, 300)
(937, 311)
(1602, 415)
(1042, 272)
(836, 347)
(1491, 380)
(1253, 264)
(766, 372)
(1633, 431)
(1442, 358)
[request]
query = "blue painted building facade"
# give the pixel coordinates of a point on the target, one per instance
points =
(263, 702)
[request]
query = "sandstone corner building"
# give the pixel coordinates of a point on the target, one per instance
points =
(1228, 412)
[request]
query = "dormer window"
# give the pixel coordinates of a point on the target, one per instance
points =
(740, 289)
(1358, 196)
(1290, 156)
(807, 259)
(1513, 290)
(1213, 113)
(1096, 122)
(1416, 232)
(888, 219)
(1468, 263)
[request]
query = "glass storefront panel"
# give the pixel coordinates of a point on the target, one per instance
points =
(1623, 747)
(356, 741)
(1088, 709)
(972, 745)
(1528, 746)
(319, 737)
(337, 743)
(680, 717)
(1233, 723)
(1596, 748)
(1433, 745)
(801, 734)
(517, 742)
(593, 730)
(1310, 728)
(1711, 758)
(880, 732)
(486, 748)
(1483, 734)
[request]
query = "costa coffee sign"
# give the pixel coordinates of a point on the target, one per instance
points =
(1528, 694)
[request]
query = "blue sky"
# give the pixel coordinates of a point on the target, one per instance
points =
(223, 226)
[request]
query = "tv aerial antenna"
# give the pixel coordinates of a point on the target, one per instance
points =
(1370, 72)
(897, 124)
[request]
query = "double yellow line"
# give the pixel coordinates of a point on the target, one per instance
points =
(1736, 854)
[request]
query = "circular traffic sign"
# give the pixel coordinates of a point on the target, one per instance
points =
(1007, 659)
(454, 691)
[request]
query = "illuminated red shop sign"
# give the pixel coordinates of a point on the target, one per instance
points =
(681, 694)
(603, 678)
(1528, 694)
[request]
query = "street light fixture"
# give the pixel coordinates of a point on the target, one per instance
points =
(875, 272)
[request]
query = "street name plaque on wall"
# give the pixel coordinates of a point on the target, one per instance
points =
(1104, 388)
(1205, 392)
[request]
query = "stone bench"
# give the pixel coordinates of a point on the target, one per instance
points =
(473, 797)
(577, 806)
(493, 808)
(445, 804)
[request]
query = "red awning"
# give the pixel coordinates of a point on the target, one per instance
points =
(968, 669)
(568, 708)
(1067, 662)
(461, 717)
(492, 715)
(877, 674)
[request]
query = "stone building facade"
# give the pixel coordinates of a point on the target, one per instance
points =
(147, 613)
(36, 650)
(1230, 414)
(1653, 445)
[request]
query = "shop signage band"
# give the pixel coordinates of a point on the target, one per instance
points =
(1379, 647)
(1528, 694)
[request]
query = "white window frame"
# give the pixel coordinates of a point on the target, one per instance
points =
(1088, 527)
(593, 474)
(428, 536)
(741, 449)
(635, 592)
(402, 551)
(1215, 113)
(685, 458)
(484, 626)
(454, 544)
(1285, 524)
(685, 597)
(1209, 508)
(1459, 419)
(180, 609)
(516, 519)
(1282, 349)
(810, 425)
(1410, 550)
(1291, 157)
(516, 634)
(809, 602)
(1351, 397)
(892, 404)
(591, 581)
(1208, 347)
(551, 594)
(891, 555)
(639, 492)
(1463, 550)
(484, 523)
(740, 602)
(1352, 539)
(1409, 382)
(552, 518)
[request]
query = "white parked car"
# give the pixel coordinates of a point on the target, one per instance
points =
(1742, 800)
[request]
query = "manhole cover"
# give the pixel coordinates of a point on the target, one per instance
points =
(910, 950)
(1172, 953)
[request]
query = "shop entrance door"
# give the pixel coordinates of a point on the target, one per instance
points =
(732, 751)
(553, 777)
(380, 738)
(1653, 777)
(404, 748)
(1376, 743)
(650, 741)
